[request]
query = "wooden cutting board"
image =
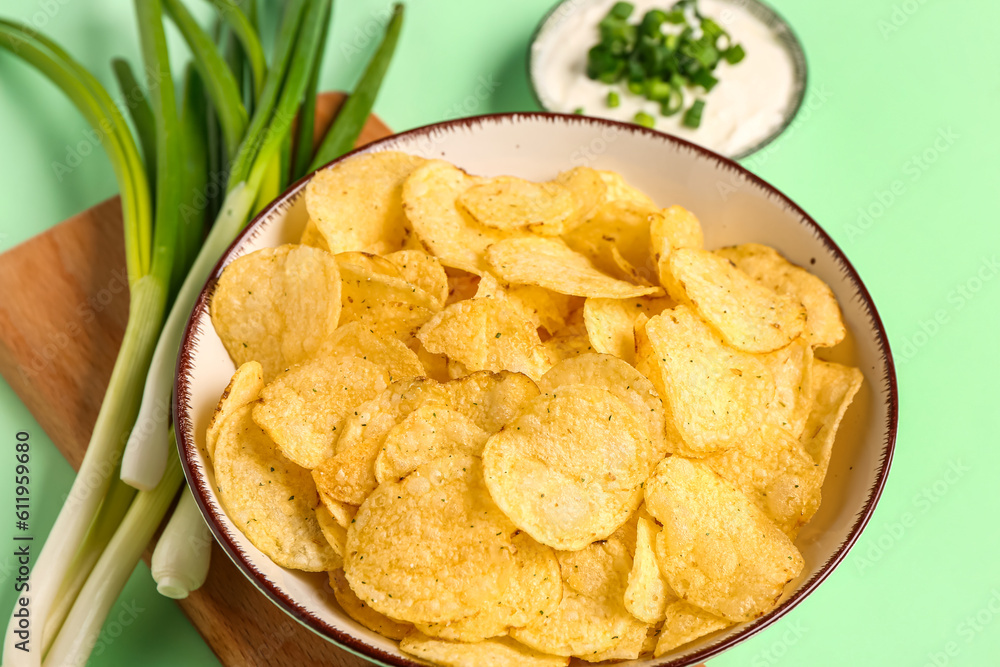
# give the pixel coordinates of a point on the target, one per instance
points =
(63, 309)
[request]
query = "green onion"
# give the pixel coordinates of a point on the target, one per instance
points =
(139, 109)
(351, 119)
(578, 111)
(245, 32)
(304, 145)
(613, 99)
(181, 557)
(644, 119)
(692, 117)
(622, 10)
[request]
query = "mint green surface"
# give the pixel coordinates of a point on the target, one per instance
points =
(896, 156)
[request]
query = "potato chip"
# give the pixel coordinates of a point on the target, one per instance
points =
(622, 380)
(500, 652)
(589, 192)
(507, 202)
(648, 593)
(335, 534)
(427, 433)
(625, 270)
(774, 471)
(435, 365)
(551, 264)
(824, 326)
(342, 513)
(486, 333)
(676, 226)
(716, 549)
(611, 322)
(591, 618)
(748, 315)
(357, 204)
(535, 590)
(277, 306)
(567, 345)
(356, 340)
(622, 226)
(303, 409)
(418, 268)
(685, 623)
(834, 388)
(619, 190)
(628, 647)
(713, 395)
(433, 547)
(362, 613)
(311, 236)
(367, 262)
(791, 367)
(543, 308)
(363, 290)
(490, 400)
(244, 388)
(430, 199)
(462, 285)
(269, 498)
(563, 491)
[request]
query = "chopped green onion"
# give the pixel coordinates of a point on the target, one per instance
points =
(734, 54)
(644, 119)
(578, 111)
(692, 117)
(621, 10)
(636, 87)
(613, 99)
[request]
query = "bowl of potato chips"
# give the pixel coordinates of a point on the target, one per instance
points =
(534, 389)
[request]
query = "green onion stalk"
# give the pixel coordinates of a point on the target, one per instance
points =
(105, 523)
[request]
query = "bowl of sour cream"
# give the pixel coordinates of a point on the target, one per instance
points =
(753, 102)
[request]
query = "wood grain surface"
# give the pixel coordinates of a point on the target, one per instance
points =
(63, 309)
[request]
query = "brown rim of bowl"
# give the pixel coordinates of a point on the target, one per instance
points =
(182, 422)
(761, 11)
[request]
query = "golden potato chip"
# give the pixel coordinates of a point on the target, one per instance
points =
(418, 268)
(824, 326)
(543, 308)
(244, 388)
(435, 365)
(490, 400)
(430, 199)
(462, 285)
(591, 618)
(356, 340)
(551, 264)
(676, 226)
(367, 262)
(357, 204)
(628, 647)
(562, 490)
(364, 290)
(791, 367)
(311, 236)
(566, 346)
(774, 471)
(486, 333)
(713, 395)
(269, 498)
(508, 202)
(335, 534)
(433, 547)
(748, 315)
(619, 190)
(362, 613)
(648, 593)
(500, 652)
(622, 380)
(342, 513)
(611, 322)
(303, 409)
(625, 270)
(622, 226)
(684, 624)
(535, 590)
(716, 549)
(834, 387)
(427, 433)
(589, 192)
(277, 306)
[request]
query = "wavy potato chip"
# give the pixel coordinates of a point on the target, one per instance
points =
(648, 594)
(631, 645)
(622, 380)
(589, 192)
(242, 389)
(357, 340)
(617, 189)
(749, 316)
(591, 618)
(674, 227)
(791, 367)
(500, 652)
(824, 326)
(622, 227)
(269, 498)
(544, 308)
(611, 322)
(367, 262)
(430, 199)
(277, 306)
(427, 433)
(685, 623)
(357, 204)
(335, 534)
(508, 202)
(303, 409)
(552, 264)
(713, 395)
(372, 298)
(534, 591)
(563, 491)
(362, 613)
(717, 550)
(311, 236)
(834, 388)
(433, 547)
(418, 268)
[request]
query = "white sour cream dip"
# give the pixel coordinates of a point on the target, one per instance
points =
(750, 102)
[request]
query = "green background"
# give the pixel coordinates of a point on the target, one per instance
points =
(896, 156)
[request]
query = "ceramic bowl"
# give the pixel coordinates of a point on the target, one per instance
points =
(734, 207)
